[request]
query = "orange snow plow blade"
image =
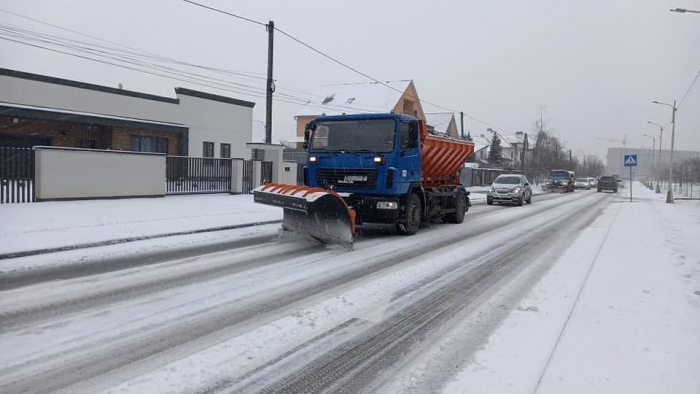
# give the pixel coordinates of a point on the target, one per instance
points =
(319, 213)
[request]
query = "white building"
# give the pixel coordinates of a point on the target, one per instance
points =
(43, 110)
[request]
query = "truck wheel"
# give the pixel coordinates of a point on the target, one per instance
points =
(410, 222)
(460, 207)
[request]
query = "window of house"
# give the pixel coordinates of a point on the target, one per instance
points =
(258, 154)
(225, 151)
(207, 149)
(408, 106)
(142, 143)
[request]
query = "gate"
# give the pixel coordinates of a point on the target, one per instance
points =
(16, 175)
(265, 172)
(247, 176)
(191, 175)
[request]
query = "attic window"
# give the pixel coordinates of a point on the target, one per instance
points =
(350, 100)
(328, 99)
(408, 107)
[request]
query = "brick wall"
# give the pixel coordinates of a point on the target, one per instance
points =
(121, 138)
(58, 133)
(71, 134)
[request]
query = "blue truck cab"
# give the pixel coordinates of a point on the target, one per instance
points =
(372, 160)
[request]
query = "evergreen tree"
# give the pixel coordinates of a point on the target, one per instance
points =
(495, 150)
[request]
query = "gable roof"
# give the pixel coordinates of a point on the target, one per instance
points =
(359, 97)
(480, 142)
(439, 120)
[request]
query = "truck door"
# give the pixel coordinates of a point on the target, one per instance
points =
(408, 168)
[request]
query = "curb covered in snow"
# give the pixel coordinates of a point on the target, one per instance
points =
(26, 253)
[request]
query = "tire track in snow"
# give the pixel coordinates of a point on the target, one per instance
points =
(39, 377)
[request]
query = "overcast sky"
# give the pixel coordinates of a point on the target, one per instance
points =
(595, 65)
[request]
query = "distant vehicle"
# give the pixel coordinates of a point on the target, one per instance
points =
(593, 182)
(607, 183)
(560, 180)
(510, 188)
(583, 183)
(620, 183)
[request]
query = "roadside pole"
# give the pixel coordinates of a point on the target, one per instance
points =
(630, 161)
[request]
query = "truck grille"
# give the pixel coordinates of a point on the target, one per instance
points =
(346, 178)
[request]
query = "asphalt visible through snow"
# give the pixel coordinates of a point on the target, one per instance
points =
(131, 325)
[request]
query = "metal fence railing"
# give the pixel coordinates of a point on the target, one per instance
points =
(16, 175)
(189, 175)
(247, 176)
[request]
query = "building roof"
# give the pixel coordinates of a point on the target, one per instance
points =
(359, 97)
(480, 142)
(439, 120)
(214, 97)
(123, 92)
(64, 115)
(517, 138)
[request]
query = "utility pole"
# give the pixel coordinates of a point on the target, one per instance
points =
(461, 121)
(270, 83)
(669, 196)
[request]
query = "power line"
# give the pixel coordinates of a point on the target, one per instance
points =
(331, 58)
(184, 77)
(690, 88)
(151, 54)
(227, 13)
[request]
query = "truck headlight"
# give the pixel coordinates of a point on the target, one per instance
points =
(564, 182)
(387, 205)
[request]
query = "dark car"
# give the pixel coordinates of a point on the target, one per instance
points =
(511, 189)
(607, 183)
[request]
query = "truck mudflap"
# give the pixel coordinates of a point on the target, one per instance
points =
(319, 213)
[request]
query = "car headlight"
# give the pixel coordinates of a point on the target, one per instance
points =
(491, 189)
(516, 189)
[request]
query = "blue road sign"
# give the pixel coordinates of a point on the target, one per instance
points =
(630, 160)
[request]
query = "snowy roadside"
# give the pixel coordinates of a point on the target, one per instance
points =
(28, 227)
(618, 312)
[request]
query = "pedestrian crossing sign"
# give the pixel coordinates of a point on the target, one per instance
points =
(630, 160)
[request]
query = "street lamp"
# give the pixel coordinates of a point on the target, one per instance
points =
(683, 10)
(653, 149)
(669, 195)
(661, 141)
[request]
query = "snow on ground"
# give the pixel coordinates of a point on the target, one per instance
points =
(43, 225)
(619, 312)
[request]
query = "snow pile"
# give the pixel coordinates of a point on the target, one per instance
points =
(618, 313)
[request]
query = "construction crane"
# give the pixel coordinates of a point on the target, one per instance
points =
(623, 141)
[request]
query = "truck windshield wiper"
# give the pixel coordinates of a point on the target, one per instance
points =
(357, 151)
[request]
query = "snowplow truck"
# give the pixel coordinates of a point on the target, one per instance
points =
(372, 168)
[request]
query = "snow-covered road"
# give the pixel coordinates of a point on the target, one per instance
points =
(283, 314)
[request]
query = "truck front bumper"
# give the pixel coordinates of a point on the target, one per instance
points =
(374, 209)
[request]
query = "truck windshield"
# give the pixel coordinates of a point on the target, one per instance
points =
(375, 135)
(559, 174)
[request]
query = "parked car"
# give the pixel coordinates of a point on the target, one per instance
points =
(510, 189)
(583, 183)
(593, 182)
(606, 183)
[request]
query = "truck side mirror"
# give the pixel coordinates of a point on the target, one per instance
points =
(413, 134)
(311, 126)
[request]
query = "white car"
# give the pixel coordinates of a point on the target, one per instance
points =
(582, 183)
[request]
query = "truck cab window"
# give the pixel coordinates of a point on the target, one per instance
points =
(403, 136)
